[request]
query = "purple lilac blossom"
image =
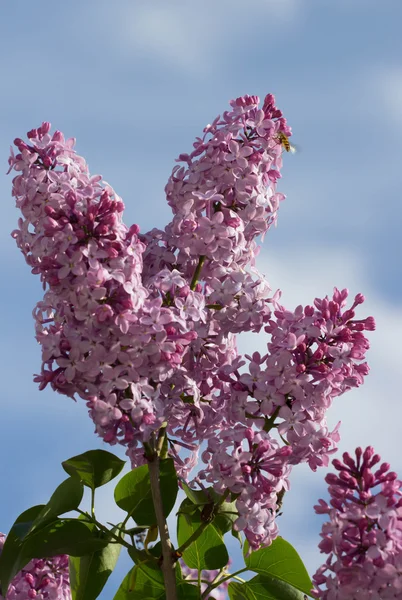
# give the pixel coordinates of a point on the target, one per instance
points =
(143, 327)
(363, 536)
(40, 579)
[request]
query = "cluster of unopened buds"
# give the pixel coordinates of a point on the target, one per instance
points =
(143, 326)
(363, 536)
(40, 579)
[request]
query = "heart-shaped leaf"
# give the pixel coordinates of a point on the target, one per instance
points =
(94, 468)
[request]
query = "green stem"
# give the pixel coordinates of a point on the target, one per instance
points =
(161, 448)
(117, 538)
(197, 272)
(192, 537)
(269, 423)
(238, 578)
(93, 502)
(203, 525)
(168, 559)
(216, 584)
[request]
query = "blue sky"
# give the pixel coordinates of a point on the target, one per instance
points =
(135, 82)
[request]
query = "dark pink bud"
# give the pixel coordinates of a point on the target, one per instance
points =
(309, 311)
(359, 299)
(348, 315)
(191, 335)
(32, 134)
(249, 434)
(49, 210)
(21, 145)
(57, 136)
(45, 582)
(184, 291)
(110, 436)
(29, 578)
(370, 324)
(44, 128)
(134, 230)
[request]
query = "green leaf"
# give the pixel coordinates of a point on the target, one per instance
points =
(199, 497)
(264, 588)
(208, 551)
(137, 586)
(148, 565)
(10, 560)
(226, 512)
(133, 492)
(188, 591)
(237, 592)
(89, 574)
(94, 468)
(281, 561)
(66, 497)
(226, 516)
(70, 536)
(168, 484)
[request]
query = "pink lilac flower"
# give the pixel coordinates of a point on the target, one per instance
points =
(363, 536)
(256, 473)
(315, 354)
(143, 327)
(41, 579)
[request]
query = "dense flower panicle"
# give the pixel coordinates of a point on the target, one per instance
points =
(314, 355)
(363, 536)
(224, 196)
(103, 335)
(143, 327)
(41, 579)
(257, 473)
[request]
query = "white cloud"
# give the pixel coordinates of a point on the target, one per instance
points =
(385, 84)
(187, 36)
(165, 34)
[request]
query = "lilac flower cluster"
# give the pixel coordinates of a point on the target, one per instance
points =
(363, 536)
(41, 579)
(143, 327)
(206, 577)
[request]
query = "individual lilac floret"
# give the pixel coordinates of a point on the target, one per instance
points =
(363, 536)
(41, 579)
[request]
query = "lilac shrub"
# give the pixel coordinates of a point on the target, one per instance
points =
(40, 579)
(363, 536)
(143, 327)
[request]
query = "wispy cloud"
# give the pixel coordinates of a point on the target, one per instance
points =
(187, 36)
(389, 91)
